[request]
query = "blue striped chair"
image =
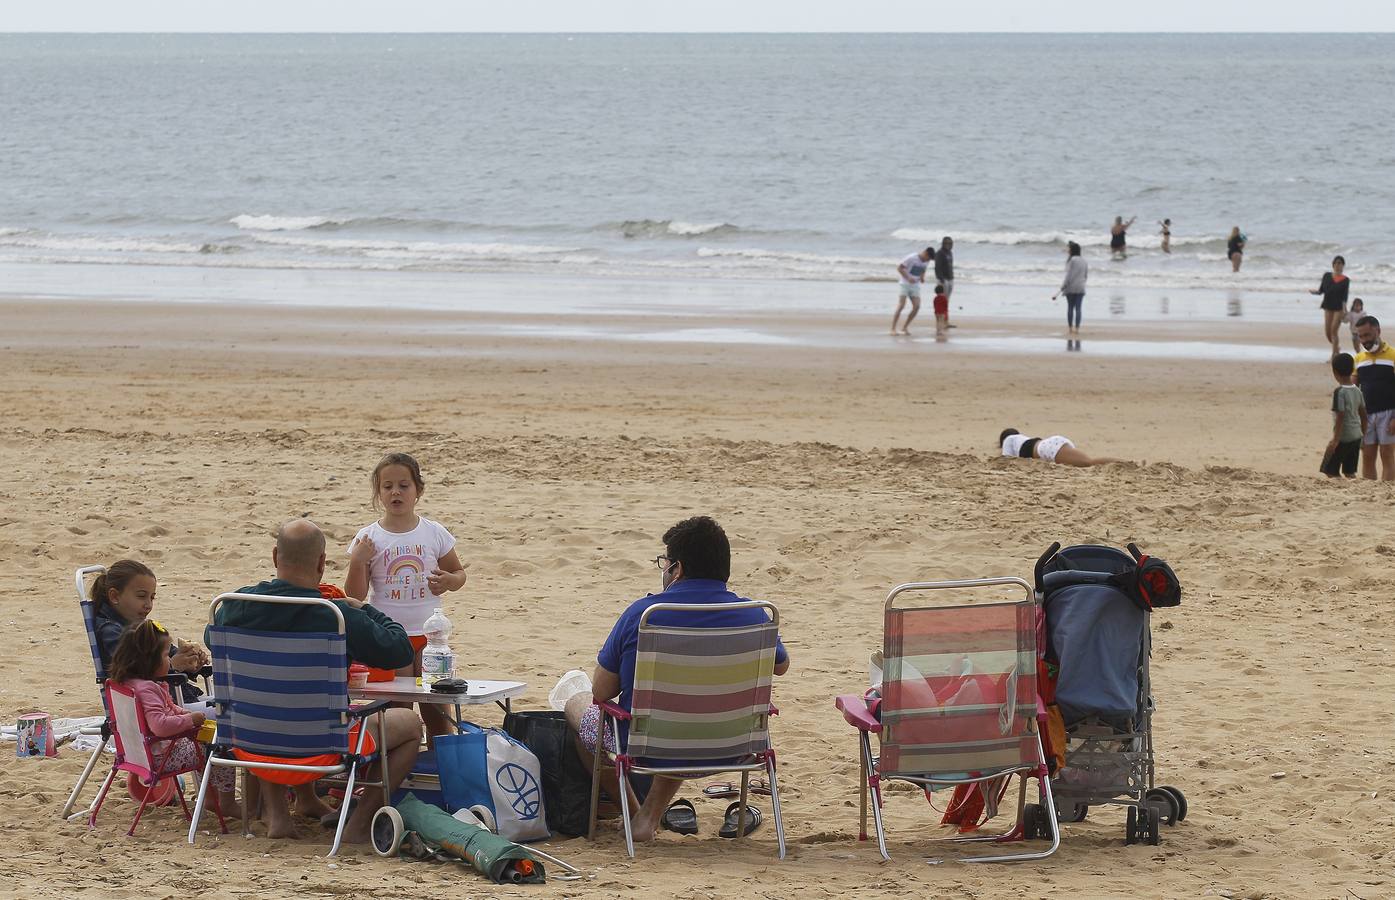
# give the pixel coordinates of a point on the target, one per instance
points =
(282, 705)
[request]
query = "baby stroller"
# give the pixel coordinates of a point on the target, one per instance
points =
(1096, 603)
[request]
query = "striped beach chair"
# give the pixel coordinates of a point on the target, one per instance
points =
(282, 705)
(700, 706)
(958, 707)
(145, 757)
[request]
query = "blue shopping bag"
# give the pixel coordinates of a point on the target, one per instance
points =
(486, 767)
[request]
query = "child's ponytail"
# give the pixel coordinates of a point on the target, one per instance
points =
(116, 577)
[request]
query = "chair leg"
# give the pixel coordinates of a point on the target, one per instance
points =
(775, 802)
(201, 798)
(861, 791)
(82, 782)
(140, 810)
(596, 764)
(623, 777)
(344, 810)
(874, 787)
(742, 813)
(1045, 781)
(251, 800)
(101, 795)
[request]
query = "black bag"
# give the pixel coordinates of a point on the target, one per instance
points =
(566, 783)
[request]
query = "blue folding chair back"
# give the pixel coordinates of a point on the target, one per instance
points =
(103, 730)
(282, 704)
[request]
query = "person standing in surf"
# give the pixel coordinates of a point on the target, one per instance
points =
(1166, 235)
(1077, 271)
(1334, 288)
(944, 274)
(912, 272)
(1118, 237)
(1235, 249)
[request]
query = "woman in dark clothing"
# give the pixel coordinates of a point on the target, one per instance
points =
(1235, 248)
(1118, 237)
(1334, 288)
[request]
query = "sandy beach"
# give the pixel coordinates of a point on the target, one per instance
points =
(182, 435)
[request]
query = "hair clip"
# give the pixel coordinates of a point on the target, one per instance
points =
(158, 627)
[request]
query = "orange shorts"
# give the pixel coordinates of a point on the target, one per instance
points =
(418, 642)
(289, 778)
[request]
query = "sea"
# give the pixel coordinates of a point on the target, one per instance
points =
(707, 159)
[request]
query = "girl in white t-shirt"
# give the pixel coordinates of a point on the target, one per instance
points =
(407, 560)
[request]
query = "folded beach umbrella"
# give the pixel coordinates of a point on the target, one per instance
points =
(499, 859)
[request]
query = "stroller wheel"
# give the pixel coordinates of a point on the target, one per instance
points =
(1165, 803)
(1131, 831)
(1077, 813)
(1031, 822)
(1181, 801)
(1151, 827)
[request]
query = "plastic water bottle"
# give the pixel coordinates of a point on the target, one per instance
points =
(437, 660)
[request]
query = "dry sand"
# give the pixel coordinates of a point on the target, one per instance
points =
(182, 435)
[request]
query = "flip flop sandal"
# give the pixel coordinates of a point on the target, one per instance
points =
(725, 789)
(681, 816)
(721, 789)
(733, 815)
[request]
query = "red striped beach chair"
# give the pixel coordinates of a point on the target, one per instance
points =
(958, 707)
(701, 706)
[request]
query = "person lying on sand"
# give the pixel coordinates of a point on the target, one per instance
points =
(1057, 449)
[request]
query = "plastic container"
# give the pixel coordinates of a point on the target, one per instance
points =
(358, 677)
(571, 684)
(437, 660)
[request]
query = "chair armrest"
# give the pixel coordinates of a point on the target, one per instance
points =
(857, 713)
(361, 710)
(174, 678)
(612, 709)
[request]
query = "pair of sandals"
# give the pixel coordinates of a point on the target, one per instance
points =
(681, 816)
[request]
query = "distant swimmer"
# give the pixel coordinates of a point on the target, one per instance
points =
(1077, 271)
(1334, 288)
(912, 272)
(1118, 237)
(1166, 235)
(1057, 449)
(1235, 248)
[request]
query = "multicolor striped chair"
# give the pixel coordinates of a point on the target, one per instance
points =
(282, 701)
(958, 707)
(700, 706)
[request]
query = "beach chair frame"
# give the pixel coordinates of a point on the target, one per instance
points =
(758, 755)
(227, 675)
(136, 754)
(1023, 685)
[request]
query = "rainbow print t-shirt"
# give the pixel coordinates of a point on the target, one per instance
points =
(403, 561)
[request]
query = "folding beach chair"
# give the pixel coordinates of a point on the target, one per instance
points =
(958, 707)
(104, 730)
(700, 706)
(139, 754)
(282, 705)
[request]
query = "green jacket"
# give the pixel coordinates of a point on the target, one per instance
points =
(373, 639)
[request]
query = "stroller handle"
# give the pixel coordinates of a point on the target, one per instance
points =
(1042, 561)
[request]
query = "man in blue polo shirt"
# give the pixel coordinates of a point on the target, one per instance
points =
(695, 567)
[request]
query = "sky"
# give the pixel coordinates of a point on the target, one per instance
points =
(697, 15)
